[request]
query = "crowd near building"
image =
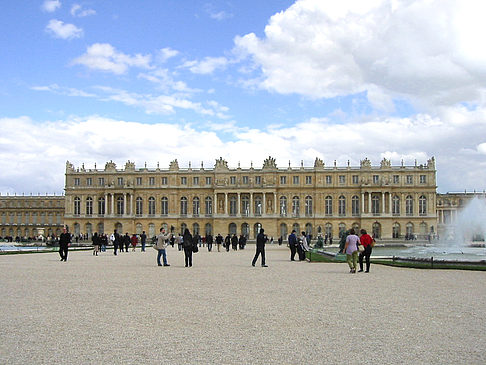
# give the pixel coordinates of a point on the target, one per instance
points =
(391, 202)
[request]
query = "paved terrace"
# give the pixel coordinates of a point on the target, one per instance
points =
(127, 310)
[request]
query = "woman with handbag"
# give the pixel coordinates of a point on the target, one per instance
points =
(187, 243)
(368, 242)
(351, 250)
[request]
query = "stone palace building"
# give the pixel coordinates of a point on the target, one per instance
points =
(388, 201)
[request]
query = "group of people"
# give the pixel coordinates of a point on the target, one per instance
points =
(120, 242)
(354, 253)
(298, 245)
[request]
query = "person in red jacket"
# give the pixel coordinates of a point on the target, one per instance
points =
(134, 241)
(368, 242)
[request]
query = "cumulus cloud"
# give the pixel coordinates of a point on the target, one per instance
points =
(62, 30)
(42, 154)
(167, 53)
(78, 11)
(51, 6)
(206, 66)
(104, 57)
(429, 52)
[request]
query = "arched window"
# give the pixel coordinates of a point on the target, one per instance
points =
(195, 229)
(183, 228)
(308, 205)
(164, 206)
(101, 228)
(308, 230)
(89, 230)
(342, 206)
(295, 206)
(245, 205)
(409, 205)
(89, 205)
(209, 205)
(245, 230)
(151, 230)
(233, 203)
(101, 206)
(283, 230)
(77, 206)
(151, 206)
(77, 229)
(196, 208)
(423, 228)
(355, 205)
(119, 205)
(328, 229)
(396, 230)
(296, 228)
(283, 206)
(256, 229)
(375, 204)
(342, 229)
(328, 205)
(396, 205)
(409, 230)
(139, 206)
(183, 206)
(232, 228)
(422, 205)
(208, 229)
(376, 230)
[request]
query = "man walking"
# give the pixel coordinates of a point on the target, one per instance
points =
(162, 239)
(292, 245)
(260, 247)
(64, 241)
(209, 241)
(143, 239)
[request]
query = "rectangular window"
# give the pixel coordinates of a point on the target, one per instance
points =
(283, 180)
(295, 180)
(151, 181)
(342, 179)
(232, 180)
(245, 180)
(89, 181)
(139, 181)
(195, 180)
(76, 181)
(208, 180)
(409, 179)
(120, 181)
(423, 179)
(308, 180)
(328, 179)
(101, 181)
(396, 179)
(164, 180)
(376, 179)
(258, 180)
(355, 179)
(183, 180)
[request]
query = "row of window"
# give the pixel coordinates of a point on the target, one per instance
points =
(246, 180)
(19, 218)
(376, 205)
(31, 204)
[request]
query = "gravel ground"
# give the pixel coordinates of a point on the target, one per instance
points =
(126, 310)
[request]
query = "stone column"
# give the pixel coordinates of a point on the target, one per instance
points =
(106, 204)
(226, 203)
(362, 203)
(390, 202)
(215, 204)
(251, 205)
(274, 203)
(264, 204)
(369, 202)
(383, 202)
(238, 208)
(112, 203)
(124, 204)
(131, 204)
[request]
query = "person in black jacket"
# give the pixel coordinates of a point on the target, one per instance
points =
(260, 247)
(292, 245)
(209, 241)
(219, 240)
(227, 242)
(126, 241)
(187, 243)
(64, 241)
(234, 242)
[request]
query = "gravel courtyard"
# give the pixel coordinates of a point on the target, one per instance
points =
(126, 310)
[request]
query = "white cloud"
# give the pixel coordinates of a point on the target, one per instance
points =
(78, 11)
(62, 30)
(207, 66)
(104, 57)
(427, 51)
(220, 15)
(56, 89)
(166, 53)
(51, 6)
(42, 154)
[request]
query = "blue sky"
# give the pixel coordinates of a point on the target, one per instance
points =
(151, 81)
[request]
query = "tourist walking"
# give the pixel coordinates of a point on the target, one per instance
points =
(134, 241)
(143, 240)
(187, 243)
(126, 241)
(209, 241)
(64, 241)
(114, 239)
(227, 242)
(104, 242)
(367, 241)
(96, 243)
(242, 242)
(292, 245)
(351, 250)
(260, 247)
(161, 246)
(234, 242)
(219, 241)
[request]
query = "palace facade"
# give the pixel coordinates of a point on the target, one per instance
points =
(389, 201)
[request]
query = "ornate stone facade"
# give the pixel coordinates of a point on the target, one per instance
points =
(389, 201)
(31, 216)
